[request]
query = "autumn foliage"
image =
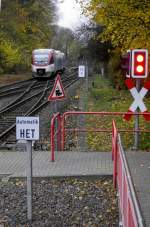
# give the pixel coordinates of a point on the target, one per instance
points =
(24, 25)
(126, 24)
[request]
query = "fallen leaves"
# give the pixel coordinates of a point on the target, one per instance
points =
(64, 201)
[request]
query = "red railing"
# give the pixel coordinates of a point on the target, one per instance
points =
(77, 113)
(60, 132)
(129, 207)
(55, 132)
(114, 152)
(131, 215)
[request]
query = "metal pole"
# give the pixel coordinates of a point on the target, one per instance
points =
(59, 132)
(136, 120)
(29, 181)
(86, 84)
(0, 5)
(63, 133)
(56, 109)
(52, 140)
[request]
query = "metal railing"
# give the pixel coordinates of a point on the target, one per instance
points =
(55, 132)
(130, 211)
(59, 133)
(66, 115)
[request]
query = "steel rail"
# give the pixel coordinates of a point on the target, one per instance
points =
(5, 132)
(15, 91)
(6, 108)
(17, 102)
(14, 84)
(36, 108)
(46, 102)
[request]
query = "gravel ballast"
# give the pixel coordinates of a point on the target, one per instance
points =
(60, 202)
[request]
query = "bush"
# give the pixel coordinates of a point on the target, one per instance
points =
(9, 55)
(114, 71)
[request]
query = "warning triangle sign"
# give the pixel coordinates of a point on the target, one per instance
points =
(57, 91)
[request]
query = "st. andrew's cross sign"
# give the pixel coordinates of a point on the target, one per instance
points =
(138, 99)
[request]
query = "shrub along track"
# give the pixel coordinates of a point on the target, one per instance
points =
(24, 99)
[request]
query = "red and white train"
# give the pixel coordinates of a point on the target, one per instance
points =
(47, 62)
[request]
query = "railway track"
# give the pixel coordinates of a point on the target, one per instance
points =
(25, 99)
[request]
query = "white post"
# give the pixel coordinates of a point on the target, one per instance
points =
(136, 120)
(29, 180)
(86, 86)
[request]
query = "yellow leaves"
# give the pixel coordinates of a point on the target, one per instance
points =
(9, 52)
(113, 101)
(76, 97)
(126, 22)
(19, 183)
(24, 30)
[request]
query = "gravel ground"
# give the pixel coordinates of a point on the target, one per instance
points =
(12, 78)
(61, 202)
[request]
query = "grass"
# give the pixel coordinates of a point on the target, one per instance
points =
(103, 97)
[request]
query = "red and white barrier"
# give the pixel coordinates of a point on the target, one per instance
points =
(138, 99)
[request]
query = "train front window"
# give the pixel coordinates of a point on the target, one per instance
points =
(41, 59)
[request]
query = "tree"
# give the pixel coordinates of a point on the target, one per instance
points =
(25, 25)
(127, 23)
(65, 40)
(94, 50)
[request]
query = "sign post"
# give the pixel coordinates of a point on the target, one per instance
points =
(138, 69)
(56, 94)
(27, 128)
(57, 91)
(136, 120)
(86, 86)
(81, 71)
(29, 180)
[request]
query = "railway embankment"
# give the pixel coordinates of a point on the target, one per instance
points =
(12, 78)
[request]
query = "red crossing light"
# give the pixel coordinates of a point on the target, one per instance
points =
(126, 64)
(139, 68)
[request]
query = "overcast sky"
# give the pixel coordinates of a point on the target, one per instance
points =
(70, 14)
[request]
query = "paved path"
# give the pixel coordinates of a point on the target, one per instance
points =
(66, 164)
(14, 164)
(139, 164)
